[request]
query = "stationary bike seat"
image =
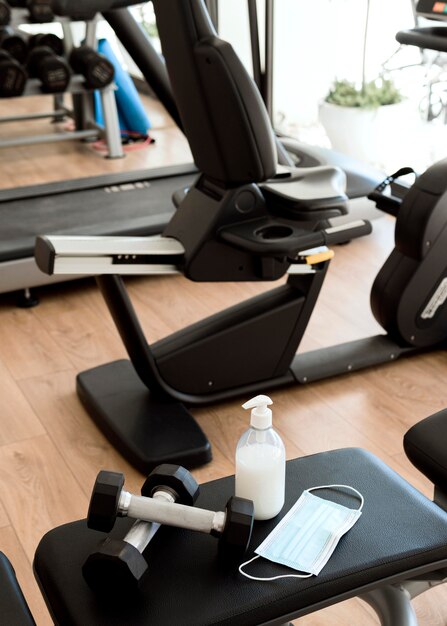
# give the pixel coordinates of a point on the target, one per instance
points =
(300, 192)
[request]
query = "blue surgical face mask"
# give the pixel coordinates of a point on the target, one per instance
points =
(307, 536)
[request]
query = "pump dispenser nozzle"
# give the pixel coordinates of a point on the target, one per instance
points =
(261, 415)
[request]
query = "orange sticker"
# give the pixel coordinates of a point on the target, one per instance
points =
(439, 7)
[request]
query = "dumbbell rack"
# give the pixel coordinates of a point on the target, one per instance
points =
(82, 111)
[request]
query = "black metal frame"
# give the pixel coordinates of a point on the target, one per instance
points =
(263, 62)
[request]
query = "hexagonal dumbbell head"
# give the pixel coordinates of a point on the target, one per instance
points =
(238, 528)
(103, 508)
(175, 479)
(116, 566)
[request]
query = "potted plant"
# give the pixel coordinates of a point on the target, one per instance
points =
(357, 117)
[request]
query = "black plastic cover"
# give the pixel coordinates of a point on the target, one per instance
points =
(14, 610)
(223, 115)
(424, 445)
(422, 216)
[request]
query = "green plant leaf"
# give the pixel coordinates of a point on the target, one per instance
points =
(373, 95)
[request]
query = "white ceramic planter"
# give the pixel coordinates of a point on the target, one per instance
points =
(365, 134)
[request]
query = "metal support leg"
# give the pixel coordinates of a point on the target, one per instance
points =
(90, 33)
(58, 107)
(68, 37)
(111, 123)
(392, 605)
(269, 56)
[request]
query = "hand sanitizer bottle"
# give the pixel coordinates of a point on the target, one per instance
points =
(261, 462)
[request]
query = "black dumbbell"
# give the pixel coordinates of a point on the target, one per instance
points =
(97, 70)
(120, 564)
(47, 39)
(233, 527)
(40, 11)
(5, 13)
(50, 69)
(13, 76)
(14, 44)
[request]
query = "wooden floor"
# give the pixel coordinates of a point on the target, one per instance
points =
(50, 452)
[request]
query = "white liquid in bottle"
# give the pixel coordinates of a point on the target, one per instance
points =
(260, 476)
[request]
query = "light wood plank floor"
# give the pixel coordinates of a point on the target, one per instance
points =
(50, 451)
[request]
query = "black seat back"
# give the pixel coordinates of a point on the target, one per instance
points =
(222, 112)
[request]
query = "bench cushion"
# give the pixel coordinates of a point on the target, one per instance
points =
(425, 446)
(14, 610)
(400, 531)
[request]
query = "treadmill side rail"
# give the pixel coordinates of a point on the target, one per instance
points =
(108, 255)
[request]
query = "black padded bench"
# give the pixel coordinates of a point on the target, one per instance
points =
(14, 610)
(401, 537)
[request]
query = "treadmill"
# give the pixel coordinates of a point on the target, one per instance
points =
(132, 203)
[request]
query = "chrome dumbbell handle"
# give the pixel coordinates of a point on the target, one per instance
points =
(142, 532)
(169, 513)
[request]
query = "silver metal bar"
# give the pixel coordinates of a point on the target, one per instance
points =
(142, 533)
(36, 139)
(34, 116)
(68, 36)
(416, 587)
(392, 605)
(91, 31)
(96, 266)
(89, 246)
(112, 255)
(112, 132)
(178, 515)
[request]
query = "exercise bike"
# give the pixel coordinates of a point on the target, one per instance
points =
(244, 221)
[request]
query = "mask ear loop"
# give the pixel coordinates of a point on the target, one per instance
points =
(272, 577)
(362, 499)
(362, 502)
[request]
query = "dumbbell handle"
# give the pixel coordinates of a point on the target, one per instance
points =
(170, 514)
(142, 532)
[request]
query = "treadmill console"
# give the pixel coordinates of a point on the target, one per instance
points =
(432, 9)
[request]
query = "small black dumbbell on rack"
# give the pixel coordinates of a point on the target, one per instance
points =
(97, 70)
(120, 564)
(14, 44)
(50, 69)
(40, 11)
(47, 39)
(13, 76)
(233, 527)
(5, 13)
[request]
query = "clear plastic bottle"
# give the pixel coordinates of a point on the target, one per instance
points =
(261, 462)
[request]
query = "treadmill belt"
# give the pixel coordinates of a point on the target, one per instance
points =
(137, 203)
